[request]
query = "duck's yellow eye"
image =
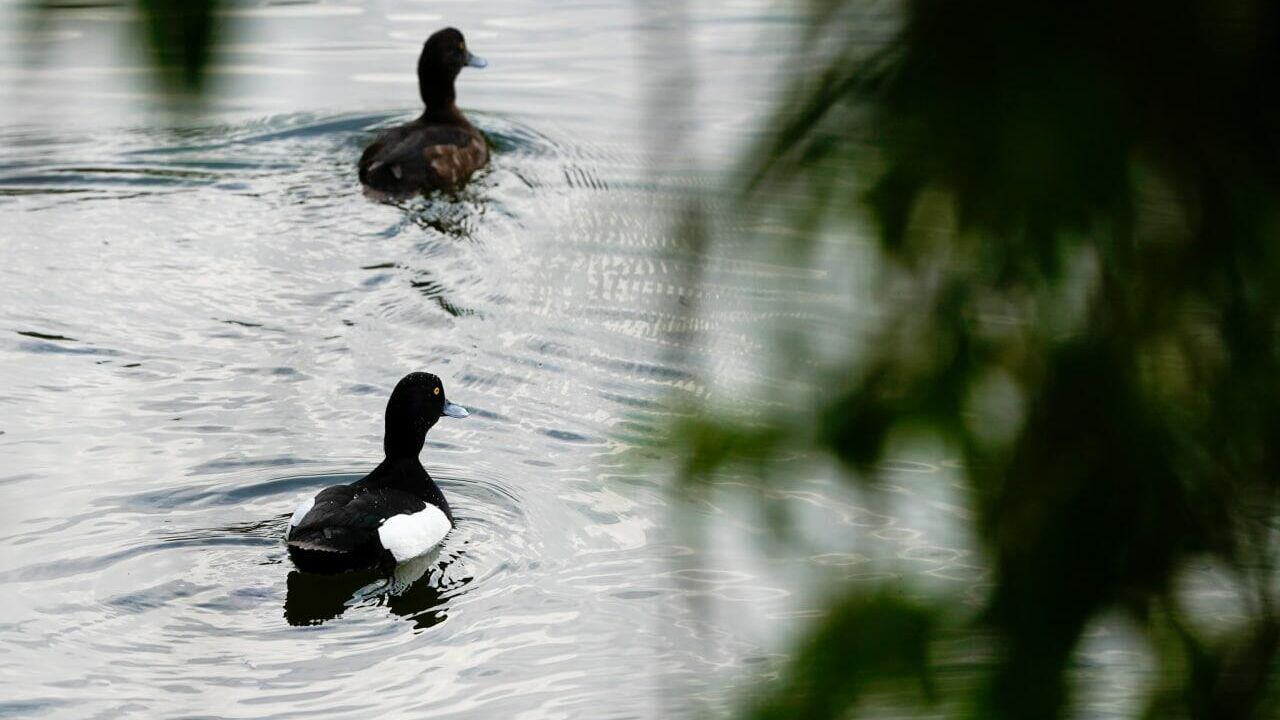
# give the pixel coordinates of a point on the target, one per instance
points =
(462, 47)
(435, 391)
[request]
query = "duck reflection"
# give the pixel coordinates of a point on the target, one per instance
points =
(455, 216)
(312, 599)
(439, 294)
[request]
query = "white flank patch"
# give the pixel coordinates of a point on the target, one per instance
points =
(302, 511)
(408, 536)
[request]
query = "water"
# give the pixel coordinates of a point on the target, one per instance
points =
(201, 320)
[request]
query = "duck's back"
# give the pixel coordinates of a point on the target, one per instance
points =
(347, 527)
(421, 157)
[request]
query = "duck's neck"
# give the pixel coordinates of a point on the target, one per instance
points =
(447, 114)
(404, 443)
(407, 473)
(439, 97)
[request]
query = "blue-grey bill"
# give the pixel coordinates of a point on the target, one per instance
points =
(476, 61)
(454, 410)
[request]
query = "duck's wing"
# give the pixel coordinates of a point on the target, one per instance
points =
(390, 163)
(330, 523)
(346, 519)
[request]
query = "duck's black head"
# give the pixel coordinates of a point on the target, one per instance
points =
(443, 57)
(415, 405)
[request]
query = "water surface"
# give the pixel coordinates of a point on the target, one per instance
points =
(202, 319)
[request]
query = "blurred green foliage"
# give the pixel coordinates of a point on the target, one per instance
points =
(881, 642)
(178, 36)
(181, 35)
(1105, 174)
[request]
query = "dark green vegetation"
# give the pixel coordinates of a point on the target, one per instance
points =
(1102, 178)
(179, 36)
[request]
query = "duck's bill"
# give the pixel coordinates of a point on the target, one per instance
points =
(476, 61)
(454, 410)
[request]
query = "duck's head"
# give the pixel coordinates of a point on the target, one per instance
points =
(415, 405)
(443, 56)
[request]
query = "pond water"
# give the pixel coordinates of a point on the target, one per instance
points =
(201, 319)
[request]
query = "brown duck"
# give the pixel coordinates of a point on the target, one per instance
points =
(440, 149)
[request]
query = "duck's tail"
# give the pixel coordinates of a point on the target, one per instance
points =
(387, 180)
(310, 557)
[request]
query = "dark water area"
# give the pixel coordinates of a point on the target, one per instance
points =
(201, 320)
